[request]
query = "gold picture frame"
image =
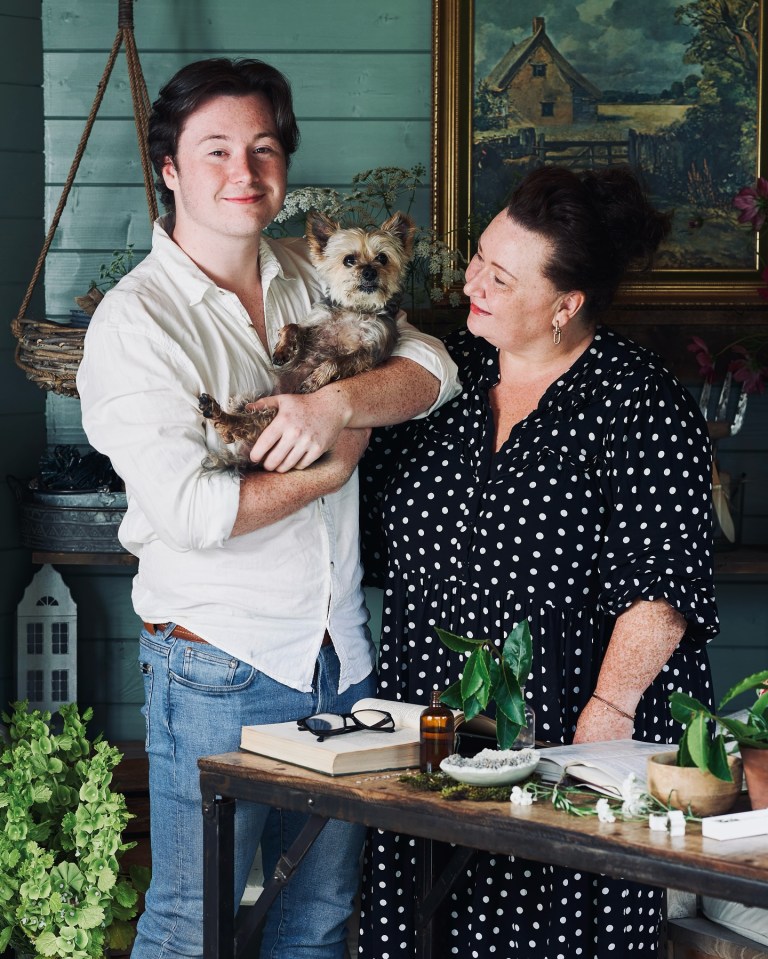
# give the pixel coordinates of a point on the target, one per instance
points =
(452, 141)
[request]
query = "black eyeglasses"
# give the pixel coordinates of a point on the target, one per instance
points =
(324, 725)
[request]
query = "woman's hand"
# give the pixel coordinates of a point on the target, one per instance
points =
(599, 722)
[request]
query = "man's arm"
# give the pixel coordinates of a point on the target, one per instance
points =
(419, 377)
(308, 424)
(266, 498)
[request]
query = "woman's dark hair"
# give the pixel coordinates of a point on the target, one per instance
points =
(197, 83)
(598, 222)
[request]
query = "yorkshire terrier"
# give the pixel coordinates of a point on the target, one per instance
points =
(351, 330)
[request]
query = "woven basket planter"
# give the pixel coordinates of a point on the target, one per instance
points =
(49, 353)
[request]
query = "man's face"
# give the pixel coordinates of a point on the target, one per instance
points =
(229, 173)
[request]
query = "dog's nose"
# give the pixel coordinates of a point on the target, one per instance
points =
(368, 273)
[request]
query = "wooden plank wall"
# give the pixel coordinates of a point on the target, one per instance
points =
(361, 75)
(21, 237)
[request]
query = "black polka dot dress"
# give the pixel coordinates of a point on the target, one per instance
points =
(598, 497)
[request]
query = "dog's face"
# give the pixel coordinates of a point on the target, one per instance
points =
(363, 269)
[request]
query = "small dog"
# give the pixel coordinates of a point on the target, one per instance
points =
(351, 330)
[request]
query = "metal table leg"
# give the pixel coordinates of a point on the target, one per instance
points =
(218, 878)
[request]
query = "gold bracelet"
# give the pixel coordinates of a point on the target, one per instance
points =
(613, 707)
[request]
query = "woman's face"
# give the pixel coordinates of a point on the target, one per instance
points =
(512, 305)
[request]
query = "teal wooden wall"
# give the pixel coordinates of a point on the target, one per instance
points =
(361, 74)
(21, 237)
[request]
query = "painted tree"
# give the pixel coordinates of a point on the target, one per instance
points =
(725, 45)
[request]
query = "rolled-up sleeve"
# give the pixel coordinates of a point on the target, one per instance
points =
(658, 539)
(139, 407)
(430, 353)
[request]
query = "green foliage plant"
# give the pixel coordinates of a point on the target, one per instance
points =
(492, 675)
(699, 747)
(62, 891)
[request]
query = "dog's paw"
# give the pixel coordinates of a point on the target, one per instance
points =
(208, 406)
(288, 341)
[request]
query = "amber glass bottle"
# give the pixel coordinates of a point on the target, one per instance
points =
(436, 730)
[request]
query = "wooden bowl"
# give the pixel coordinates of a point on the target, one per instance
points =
(689, 788)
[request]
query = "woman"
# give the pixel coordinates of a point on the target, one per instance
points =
(569, 484)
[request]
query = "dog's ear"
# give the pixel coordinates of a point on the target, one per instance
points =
(402, 227)
(319, 230)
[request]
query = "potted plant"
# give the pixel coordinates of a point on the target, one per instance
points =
(62, 891)
(496, 676)
(704, 752)
(109, 274)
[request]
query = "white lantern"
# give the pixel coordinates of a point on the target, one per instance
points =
(46, 642)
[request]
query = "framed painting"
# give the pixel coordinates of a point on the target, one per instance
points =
(677, 91)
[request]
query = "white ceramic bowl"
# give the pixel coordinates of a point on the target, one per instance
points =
(480, 775)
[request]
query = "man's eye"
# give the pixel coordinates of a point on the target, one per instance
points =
(349, 260)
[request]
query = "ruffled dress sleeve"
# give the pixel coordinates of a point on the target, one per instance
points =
(658, 490)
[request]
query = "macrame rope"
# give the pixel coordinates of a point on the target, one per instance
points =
(141, 108)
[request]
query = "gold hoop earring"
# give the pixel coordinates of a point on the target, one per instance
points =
(556, 333)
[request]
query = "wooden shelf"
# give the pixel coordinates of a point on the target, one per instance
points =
(85, 559)
(743, 561)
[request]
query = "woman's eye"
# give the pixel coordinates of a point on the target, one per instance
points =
(349, 260)
(382, 258)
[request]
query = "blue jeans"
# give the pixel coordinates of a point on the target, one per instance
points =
(196, 700)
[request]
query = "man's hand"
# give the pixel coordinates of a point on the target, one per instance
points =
(306, 426)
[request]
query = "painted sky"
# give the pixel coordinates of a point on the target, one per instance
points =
(616, 44)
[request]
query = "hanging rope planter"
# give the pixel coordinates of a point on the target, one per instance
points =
(50, 353)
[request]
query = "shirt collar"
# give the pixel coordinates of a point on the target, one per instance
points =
(193, 281)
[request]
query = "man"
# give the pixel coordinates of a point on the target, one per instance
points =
(249, 588)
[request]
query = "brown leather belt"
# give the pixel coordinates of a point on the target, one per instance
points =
(182, 633)
(179, 631)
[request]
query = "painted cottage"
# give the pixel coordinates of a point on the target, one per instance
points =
(536, 85)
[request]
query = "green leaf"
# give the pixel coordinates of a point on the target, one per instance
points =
(47, 944)
(120, 935)
(140, 876)
(509, 696)
(751, 682)
(698, 740)
(89, 917)
(683, 753)
(684, 707)
(517, 652)
(459, 644)
(506, 731)
(476, 676)
(718, 760)
(452, 696)
(472, 707)
(758, 709)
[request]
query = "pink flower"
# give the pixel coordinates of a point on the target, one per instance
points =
(703, 358)
(748, 372)
(753, 204)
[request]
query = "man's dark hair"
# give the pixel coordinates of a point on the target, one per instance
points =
(197, 83)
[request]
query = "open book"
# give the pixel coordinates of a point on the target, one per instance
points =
(600, 766)
(356, 752)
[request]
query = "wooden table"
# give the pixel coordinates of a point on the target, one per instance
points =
(736, 869)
